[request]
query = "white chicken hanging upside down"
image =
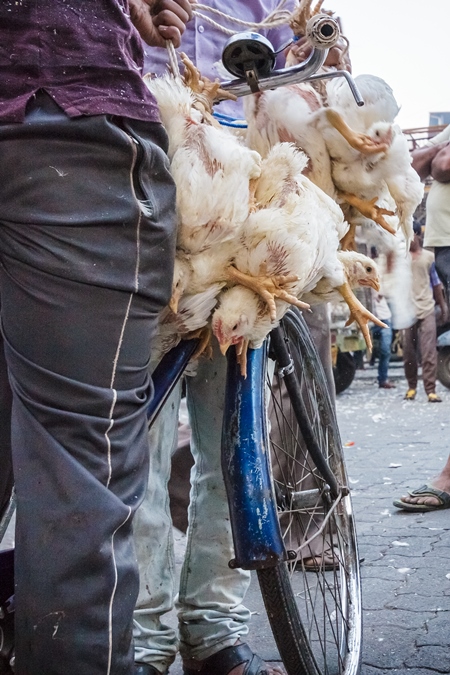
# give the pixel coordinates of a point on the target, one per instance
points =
(365, 181)
(215, 176)
(262, 228)
(299, 114)
(294, 232)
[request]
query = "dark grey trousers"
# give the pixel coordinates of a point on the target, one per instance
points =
(83, 274)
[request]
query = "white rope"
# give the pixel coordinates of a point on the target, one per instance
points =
(278, 17)
(173, 60)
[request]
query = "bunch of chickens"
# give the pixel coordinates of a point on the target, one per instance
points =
(357, 155)
(260, 225)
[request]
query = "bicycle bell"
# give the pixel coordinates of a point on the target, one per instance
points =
(249, 56)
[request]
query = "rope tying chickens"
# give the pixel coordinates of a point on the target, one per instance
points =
(278, 17)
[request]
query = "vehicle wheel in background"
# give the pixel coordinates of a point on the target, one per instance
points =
(344, 371)
(443, 368)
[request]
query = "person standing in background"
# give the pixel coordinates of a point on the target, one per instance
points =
(212, 618)
(434, 160)
(422, 334)
(383, 336)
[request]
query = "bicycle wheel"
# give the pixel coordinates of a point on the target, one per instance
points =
(313, 602)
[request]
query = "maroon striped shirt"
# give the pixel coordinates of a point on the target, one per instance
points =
(85, 53)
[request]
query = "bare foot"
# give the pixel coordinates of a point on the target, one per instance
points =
(441, 482)
(424, 497)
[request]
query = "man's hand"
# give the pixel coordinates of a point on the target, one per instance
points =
(160, 20)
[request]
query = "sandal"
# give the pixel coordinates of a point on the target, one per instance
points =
(325, 562)
(223, 661)
(425, 491)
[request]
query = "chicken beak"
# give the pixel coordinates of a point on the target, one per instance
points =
(373, 283)
(224, 347)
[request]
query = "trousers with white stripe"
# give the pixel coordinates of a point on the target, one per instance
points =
(84, 271)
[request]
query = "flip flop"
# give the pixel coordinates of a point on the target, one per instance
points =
(325, 562)
(425, 491)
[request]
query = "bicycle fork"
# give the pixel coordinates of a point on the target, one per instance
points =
(257, 538)
(245, 465)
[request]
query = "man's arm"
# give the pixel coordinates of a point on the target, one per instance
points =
(440, 165)
(422, 159)
(160, 20)
(438, 294)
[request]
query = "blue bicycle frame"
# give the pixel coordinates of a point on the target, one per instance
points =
(245, 457)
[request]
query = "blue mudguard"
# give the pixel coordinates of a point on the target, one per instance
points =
(245, 463)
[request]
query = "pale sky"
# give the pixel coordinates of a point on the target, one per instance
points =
(407, 43)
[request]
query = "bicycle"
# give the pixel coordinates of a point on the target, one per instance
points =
(279, 428)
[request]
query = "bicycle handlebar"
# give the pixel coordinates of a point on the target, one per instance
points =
(323, 33)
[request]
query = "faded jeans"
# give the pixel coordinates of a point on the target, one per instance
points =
(384, 336)
(210, 611)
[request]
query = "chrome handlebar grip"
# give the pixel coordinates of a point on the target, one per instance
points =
(322, 31)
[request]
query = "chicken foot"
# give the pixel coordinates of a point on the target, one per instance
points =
(241, 354)
(269, 288)
(359, 313)
(204, 347)
(348, 240)
(369, 209)
(300, 17)
(361, 142)
(205, 91)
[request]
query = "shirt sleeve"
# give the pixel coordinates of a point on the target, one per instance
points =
(442, 136)
(434, 279)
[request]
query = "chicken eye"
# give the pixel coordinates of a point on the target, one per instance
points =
(235, 326)
(369, 269)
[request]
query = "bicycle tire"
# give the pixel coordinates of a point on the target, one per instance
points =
(315, 613)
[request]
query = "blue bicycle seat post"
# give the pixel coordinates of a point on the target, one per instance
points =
(245, 463)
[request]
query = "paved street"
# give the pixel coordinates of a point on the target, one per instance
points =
(406, 556)
(396, 445)
(390, 445)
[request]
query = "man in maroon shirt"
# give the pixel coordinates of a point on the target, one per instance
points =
(84, 270)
